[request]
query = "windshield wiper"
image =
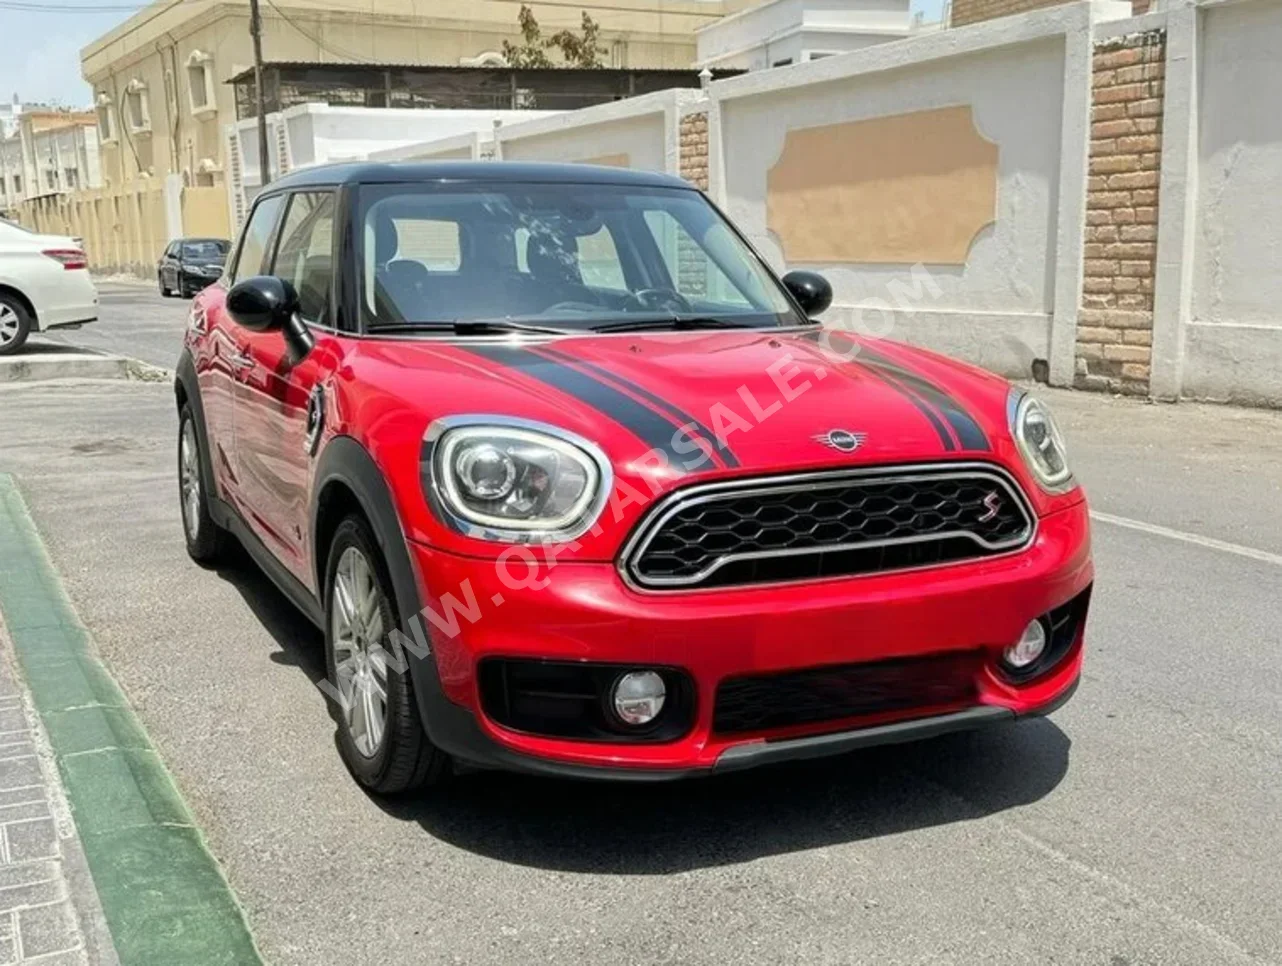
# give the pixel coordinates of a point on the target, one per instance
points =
(678, 322)
(468, 327)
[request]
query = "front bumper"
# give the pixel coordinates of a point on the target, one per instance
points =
(585, 612)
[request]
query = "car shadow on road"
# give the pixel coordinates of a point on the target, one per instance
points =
(674, 827)
(301, 642)
(641, 829)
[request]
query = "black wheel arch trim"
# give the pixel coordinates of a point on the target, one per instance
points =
(344, 460)
(185, 377)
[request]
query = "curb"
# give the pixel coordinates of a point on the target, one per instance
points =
(84, 364)
(39, 366)
(162, 893)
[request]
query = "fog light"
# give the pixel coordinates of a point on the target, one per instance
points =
(638, 697)
(1030, 646)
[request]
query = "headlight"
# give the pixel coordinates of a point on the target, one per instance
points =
(1040, 442)
(512, 480)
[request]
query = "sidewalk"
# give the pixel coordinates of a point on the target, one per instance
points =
(47, 902)
(133, 865)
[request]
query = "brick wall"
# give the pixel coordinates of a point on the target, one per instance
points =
(1115, 326)
(973, 11)
(694, 149)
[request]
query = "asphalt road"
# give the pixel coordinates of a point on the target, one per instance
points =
(134, 320)
(1142, 824)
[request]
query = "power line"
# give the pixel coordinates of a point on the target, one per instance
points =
(27, 6)
(334, 52)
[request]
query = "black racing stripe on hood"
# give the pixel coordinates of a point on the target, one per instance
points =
(926, 409)
(683, 418)
(969, 433)
(644, 423)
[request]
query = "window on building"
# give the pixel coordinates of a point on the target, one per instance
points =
(200, 81)
(106, 120)
(782, 63)
(71, 178)
(137, 113)
(305, 253)
(51, 179)
(17, 184)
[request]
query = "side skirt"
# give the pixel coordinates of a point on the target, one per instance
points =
(226, 517)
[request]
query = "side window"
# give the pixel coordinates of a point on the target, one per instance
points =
(599, 261)
(305, 253)
(172, 250)
(690, 266)
(253, 243)
(434, 243)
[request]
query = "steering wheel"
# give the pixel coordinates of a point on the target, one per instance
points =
(662, 298)
(582, 307)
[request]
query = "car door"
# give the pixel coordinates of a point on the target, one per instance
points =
(280, 407)
(219, 362)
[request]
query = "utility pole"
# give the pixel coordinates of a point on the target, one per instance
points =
(256, 32)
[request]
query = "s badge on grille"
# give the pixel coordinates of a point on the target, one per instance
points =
(993, 506)
(841, 439)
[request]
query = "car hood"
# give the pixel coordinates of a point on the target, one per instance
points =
(728, 400)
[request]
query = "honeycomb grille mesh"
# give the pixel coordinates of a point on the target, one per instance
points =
(761, 702)
(824, 527)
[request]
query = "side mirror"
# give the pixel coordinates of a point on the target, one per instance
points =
(266, 303)
(810, 289)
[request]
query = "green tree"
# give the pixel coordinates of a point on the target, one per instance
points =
(577, 49)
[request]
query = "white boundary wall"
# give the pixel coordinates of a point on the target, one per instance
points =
(1015, 302)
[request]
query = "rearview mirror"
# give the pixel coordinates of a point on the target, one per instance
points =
(810, 289)
(265, 303)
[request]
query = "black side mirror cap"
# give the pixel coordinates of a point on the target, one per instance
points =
(262, 303)
(811, 290)
(266, 303)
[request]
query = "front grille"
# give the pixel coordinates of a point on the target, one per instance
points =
(831, 693)
(829, 524)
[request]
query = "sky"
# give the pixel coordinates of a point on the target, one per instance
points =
(42, 41)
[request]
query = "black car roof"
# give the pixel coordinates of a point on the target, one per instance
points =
(492, 172)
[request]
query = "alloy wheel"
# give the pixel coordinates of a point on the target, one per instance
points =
(360, 662)
(9, 324)
(189, 479)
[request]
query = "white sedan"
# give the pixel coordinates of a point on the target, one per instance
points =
(44, 283)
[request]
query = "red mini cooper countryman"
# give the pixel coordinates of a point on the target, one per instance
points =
(574, 485)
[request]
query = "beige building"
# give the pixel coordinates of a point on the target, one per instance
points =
(47, 152)
(164, 108)
(159, 79)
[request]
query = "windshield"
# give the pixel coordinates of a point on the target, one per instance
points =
(205, 250)
(572, 256)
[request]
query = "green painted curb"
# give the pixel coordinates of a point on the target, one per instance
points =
(163, 894)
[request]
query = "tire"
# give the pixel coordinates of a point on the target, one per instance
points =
(399, 757)
(164, 291)
(207, 542)
(15, 324)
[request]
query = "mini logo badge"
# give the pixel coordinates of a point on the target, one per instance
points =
(842, 440)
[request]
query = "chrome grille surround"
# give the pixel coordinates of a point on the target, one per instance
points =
(632, 558)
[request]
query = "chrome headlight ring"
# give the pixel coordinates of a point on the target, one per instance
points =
(1039, 442)
(545, 484)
